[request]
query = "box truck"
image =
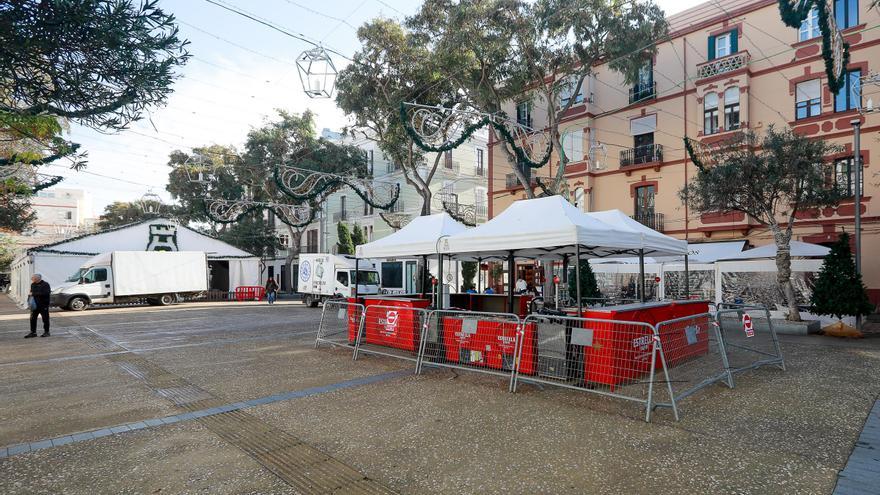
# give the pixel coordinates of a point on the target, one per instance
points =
(329, 276)
(156, 277)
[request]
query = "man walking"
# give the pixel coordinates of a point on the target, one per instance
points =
(40, 292)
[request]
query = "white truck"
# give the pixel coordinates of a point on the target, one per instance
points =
(329, 276)
(157, 277)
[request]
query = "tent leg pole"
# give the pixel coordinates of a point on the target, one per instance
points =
(479, 275)
(354, 290)
(642, 295)
(425, 281)
(687, 278)
(440, 282)
(577, 278)
(510, 281)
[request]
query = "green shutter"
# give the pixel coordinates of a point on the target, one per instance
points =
(734, 42)
(711, 48)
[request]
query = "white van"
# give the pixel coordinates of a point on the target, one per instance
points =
(328, 276)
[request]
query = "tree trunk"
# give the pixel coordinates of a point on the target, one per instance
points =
(426, 201)
(783, 270)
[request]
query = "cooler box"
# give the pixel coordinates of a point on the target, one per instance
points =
(487, 343)
(688, 339)
(620, 353)
(392, 322)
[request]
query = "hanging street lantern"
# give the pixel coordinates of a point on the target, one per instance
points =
(150, 203)
(316, 73)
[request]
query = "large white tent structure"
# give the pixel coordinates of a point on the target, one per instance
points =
(230, 267)
(552, 228)
(417, 238)
(798, 250)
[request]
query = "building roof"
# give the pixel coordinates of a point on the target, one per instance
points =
(136, 237)
(709, 12)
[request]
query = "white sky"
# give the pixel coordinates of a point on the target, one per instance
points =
(225, 90)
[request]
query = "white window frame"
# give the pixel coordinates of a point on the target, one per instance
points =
(810, 26)
(573, 145)
(722, 41)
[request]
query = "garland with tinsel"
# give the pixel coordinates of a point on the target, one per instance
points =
(458, 218)
(794, 16)
(333, 183)
(278, 214)
(692, 154)
(467, 133)
(49, 183)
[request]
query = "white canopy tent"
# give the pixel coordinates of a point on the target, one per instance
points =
(798, 250)
(551, 227)
(417, 238)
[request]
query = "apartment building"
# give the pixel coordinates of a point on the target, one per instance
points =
(728, 65)
(61, 213)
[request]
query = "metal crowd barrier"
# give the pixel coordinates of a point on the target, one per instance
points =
(694, 357)
(391, 331)
(340, 324)
(605, 357)
(749, 337)
(481, 342)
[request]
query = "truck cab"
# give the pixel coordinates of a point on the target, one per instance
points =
(328, 276)
(88, 285)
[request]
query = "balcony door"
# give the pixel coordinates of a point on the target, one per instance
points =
(644, 207)
(643, 147)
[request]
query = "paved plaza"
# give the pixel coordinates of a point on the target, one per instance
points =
(234, 398)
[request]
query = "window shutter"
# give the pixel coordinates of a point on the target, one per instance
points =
(711, 48)
(643, 125)
(734, 42)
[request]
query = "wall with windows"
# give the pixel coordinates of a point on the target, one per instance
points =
(728, 65)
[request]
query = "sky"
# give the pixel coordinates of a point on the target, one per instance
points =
(239, 73)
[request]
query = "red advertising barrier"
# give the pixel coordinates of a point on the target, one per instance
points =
(686, 339)
(394, 323)
(250, 293)
(488, 343)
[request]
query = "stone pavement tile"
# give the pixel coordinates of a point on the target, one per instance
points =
(3, 451)
(103, 432)
(153, 422)
(82, 436)
(18, 449)
(57, 442)
(170, 419)
(139, 425)
(42, 444)
(119, 429)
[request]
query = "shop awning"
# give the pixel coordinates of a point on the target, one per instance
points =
(417, 238)
(552, 227)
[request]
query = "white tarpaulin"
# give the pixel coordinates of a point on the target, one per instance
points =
(417, 238)
(658, 242)
(551, 226)
(798, 250)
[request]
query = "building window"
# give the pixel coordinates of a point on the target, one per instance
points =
(722, 45)
(810, 27)
(846, 13)
(524, 113)
(808, 102)
(370, 162)
(644, 203)
(850, 95)
(644, 88)
(342, 213)
(844, 176)
(731, 108)
(579, 202)
(447, 159)
(573, 145)
(283, 240)
(312, 241)
(567, 88)
(392, 274)
(368, 209)
(710, 113)
(480, 170)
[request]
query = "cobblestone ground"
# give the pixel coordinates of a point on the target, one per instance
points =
(226, 398)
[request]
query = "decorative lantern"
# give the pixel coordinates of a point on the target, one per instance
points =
(150, 203)
(316, 73)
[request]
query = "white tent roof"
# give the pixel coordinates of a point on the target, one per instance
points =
(658, 242)
(417, 238)
(701, 252)
(798, 250)
(553, 226)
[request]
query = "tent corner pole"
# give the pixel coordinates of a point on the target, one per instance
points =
(479, 274)
(510, 281)
(439, 291)
(687, 278)
(577, 279)
(357, 276)
(642, 296)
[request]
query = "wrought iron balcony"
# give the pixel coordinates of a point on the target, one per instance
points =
(480, 170)
(722, 65)
(648, 219)
(641, 92)
(641, 154)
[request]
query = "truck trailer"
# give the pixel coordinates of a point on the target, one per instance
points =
(156, 277)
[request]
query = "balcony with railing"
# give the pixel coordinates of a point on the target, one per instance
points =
(723, 65)
(639, 155)
(650, 219)
(641, 92)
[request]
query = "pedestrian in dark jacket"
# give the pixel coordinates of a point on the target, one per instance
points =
(40, 292)
(271, 290)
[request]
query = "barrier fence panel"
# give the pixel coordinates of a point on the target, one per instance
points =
(391, 331)
(749, 337)
(341, 322)
(606, 357)
(482, 342)
(693, 356)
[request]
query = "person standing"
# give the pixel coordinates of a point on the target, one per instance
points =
(271, 290)
(40, 293)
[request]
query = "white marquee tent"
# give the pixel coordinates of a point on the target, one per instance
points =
(417, 238)
(231, 266)
(798, 250)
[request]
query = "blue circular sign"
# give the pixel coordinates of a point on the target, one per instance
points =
(305, 271)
